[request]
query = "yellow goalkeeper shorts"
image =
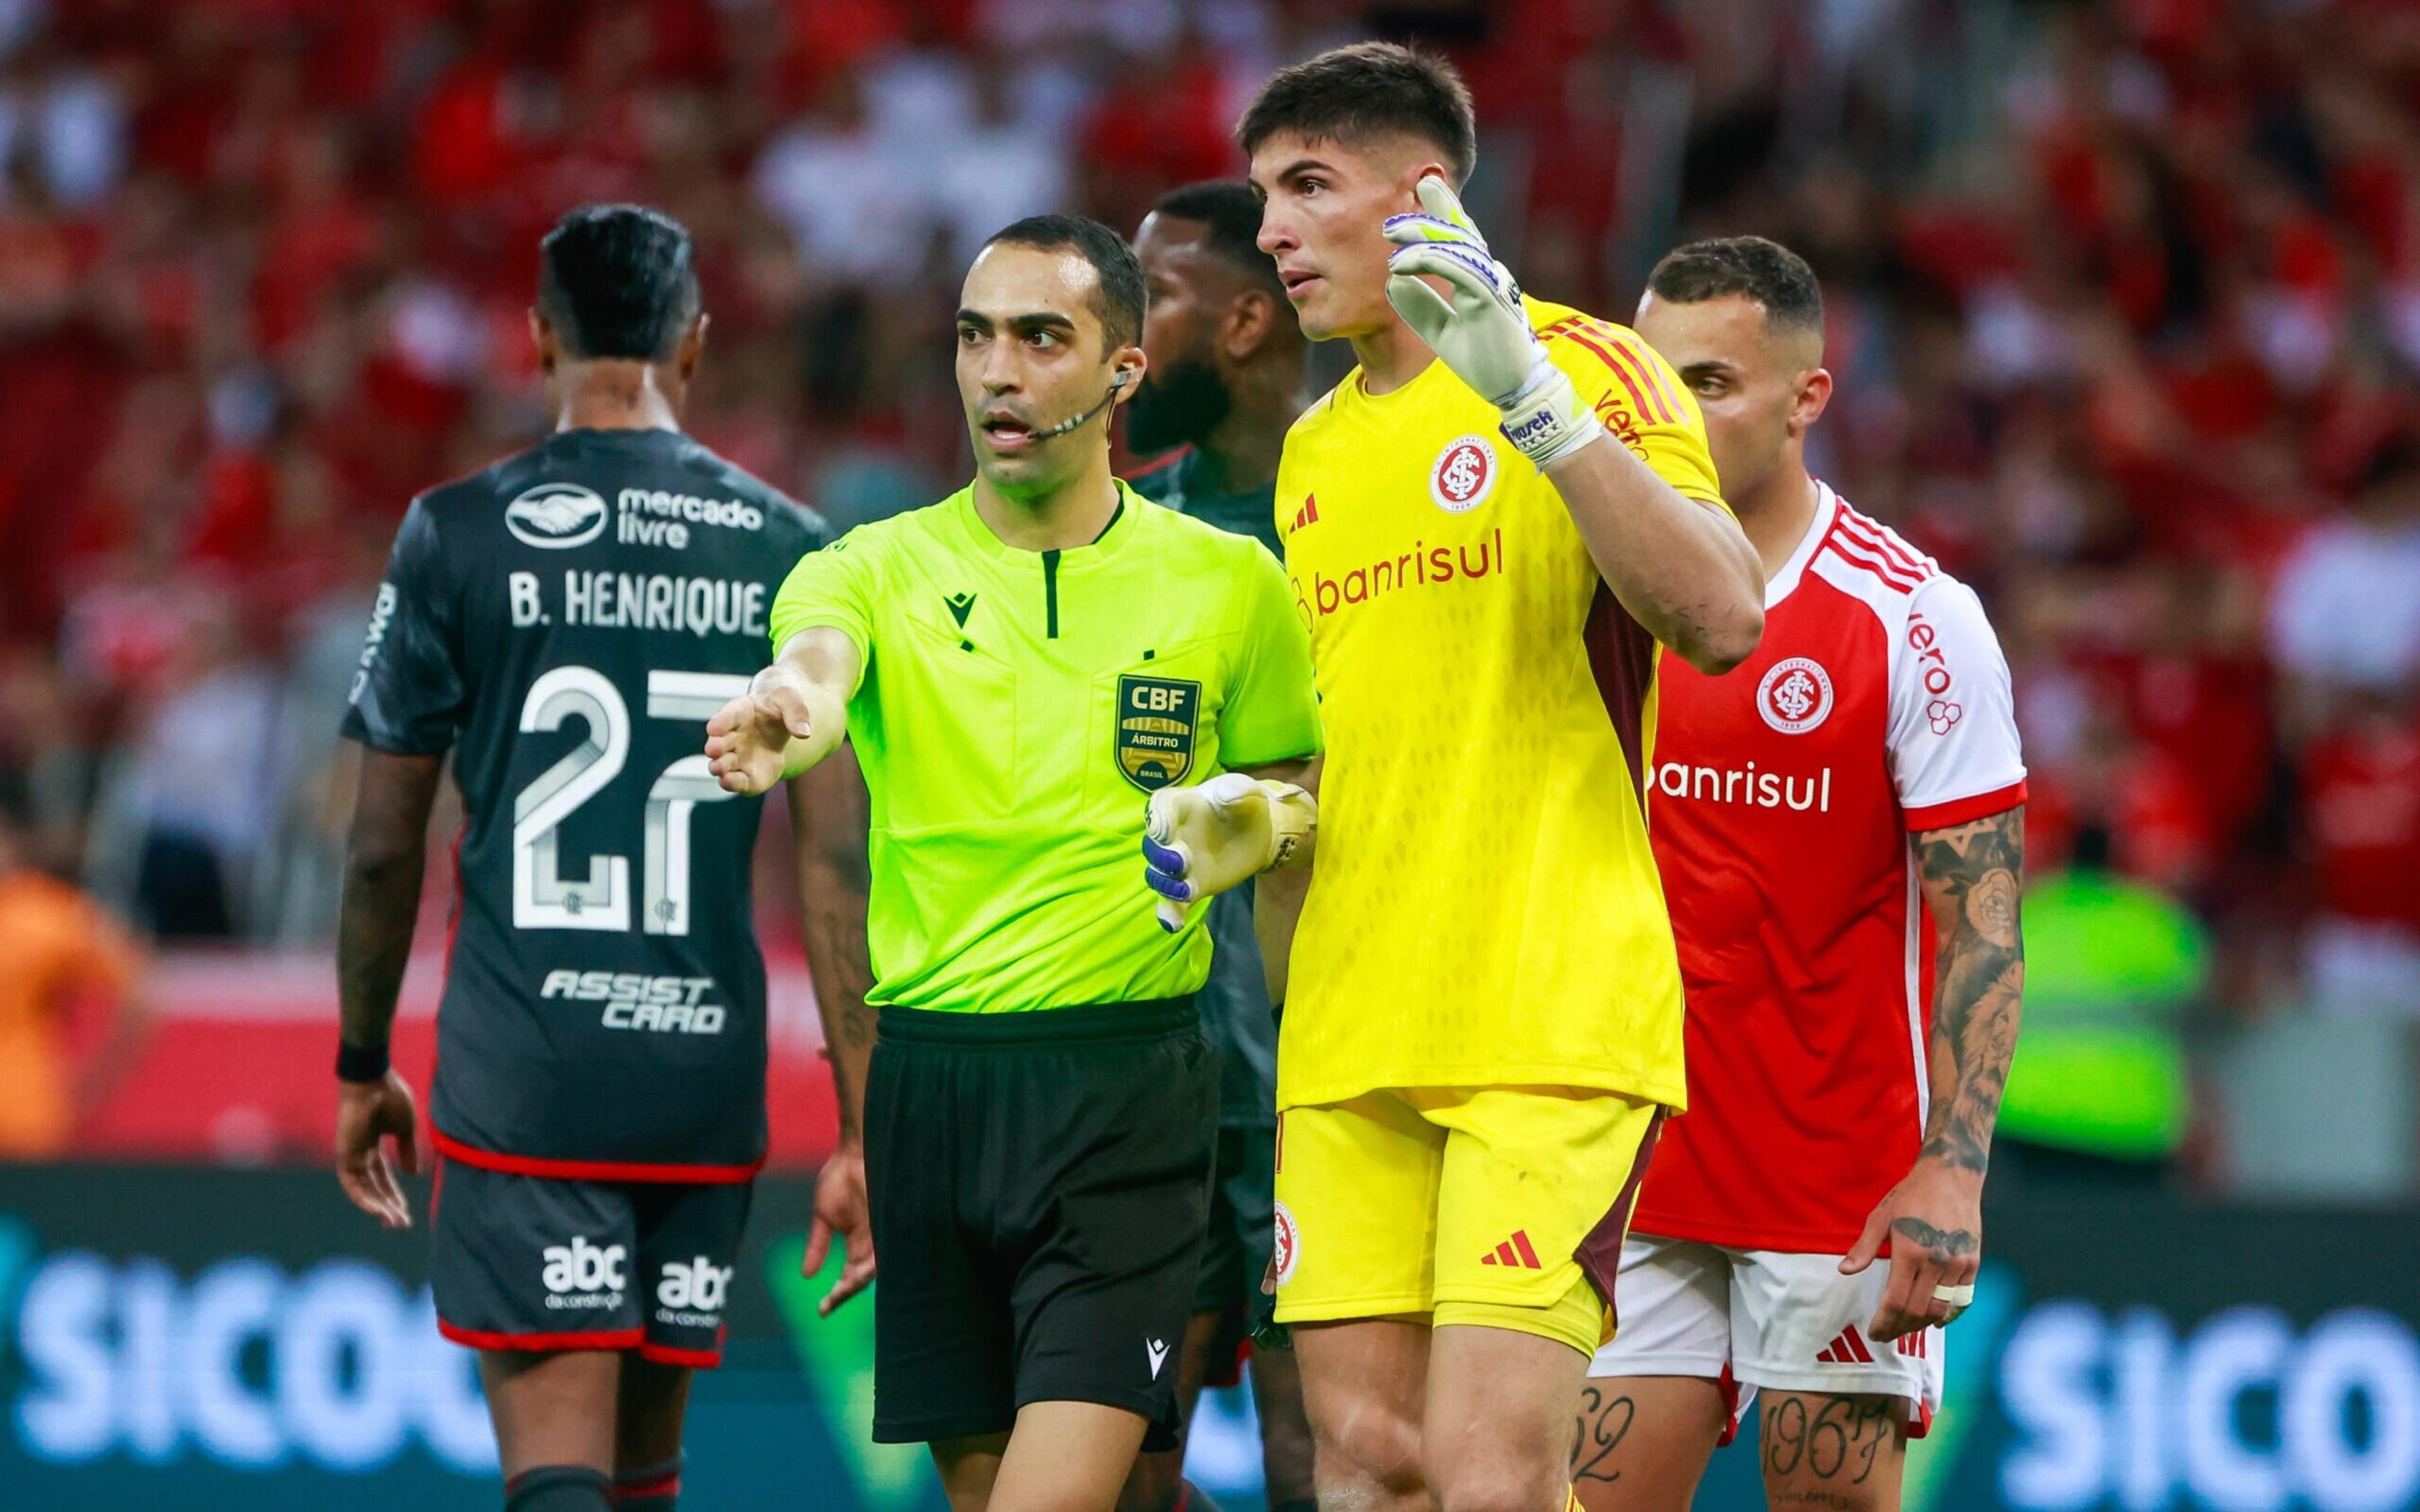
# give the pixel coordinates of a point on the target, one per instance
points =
(1501, 1206)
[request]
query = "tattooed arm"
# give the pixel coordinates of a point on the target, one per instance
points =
(1972, 874)
(827, 821)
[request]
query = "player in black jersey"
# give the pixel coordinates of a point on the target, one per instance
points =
(564, 623)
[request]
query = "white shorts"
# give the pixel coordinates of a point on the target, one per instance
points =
(1762, 1318)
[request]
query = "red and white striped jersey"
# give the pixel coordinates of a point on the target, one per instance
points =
(1785, 794)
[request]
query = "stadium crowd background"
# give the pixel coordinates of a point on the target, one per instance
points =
(2124, 302)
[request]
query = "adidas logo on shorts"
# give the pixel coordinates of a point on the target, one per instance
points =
(1849, 1348)
(1515, 1252)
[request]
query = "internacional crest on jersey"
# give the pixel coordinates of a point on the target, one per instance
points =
(565, 623)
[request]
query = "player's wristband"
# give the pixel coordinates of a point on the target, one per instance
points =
(357, 1064)
(1293, 818)
(1546, 421)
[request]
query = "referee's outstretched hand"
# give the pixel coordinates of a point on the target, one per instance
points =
(747, 739)
(840, 1208)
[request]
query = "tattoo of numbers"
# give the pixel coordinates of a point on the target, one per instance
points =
(1844, 1437)
(1604, 1421)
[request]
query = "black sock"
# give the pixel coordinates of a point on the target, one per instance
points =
(1305, 1505)
(560, 1488)
(649, 1487)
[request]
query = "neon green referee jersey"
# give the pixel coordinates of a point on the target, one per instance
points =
(1015, 710)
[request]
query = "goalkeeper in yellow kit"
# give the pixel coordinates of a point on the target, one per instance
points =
(1492, 526)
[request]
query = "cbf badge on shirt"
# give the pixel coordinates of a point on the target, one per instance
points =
(1156, 717)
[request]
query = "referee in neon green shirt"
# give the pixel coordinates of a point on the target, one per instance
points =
(1019, 667)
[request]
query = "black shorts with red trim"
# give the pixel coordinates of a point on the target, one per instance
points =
(541, 1262)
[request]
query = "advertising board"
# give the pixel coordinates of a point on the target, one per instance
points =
(187, 1339)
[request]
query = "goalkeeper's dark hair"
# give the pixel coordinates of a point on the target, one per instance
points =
(1230, 213)
(619, 280)
(1120, 300)
(1366, 90)
(1750, 266)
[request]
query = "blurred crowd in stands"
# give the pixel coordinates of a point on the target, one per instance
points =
(2124, 305)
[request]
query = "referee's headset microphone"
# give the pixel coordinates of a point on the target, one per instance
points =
(1124, 377)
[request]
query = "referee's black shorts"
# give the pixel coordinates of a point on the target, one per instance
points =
(1039, 1184)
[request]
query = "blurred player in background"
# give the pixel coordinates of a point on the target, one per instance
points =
(1861, 768)
(564, 622)
(1491, 526)
(66, 958)
(1224, 380)
(1016, 667)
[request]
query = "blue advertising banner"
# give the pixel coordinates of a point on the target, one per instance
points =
(189, 1340)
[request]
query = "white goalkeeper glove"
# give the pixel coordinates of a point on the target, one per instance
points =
(1197, 842)
(1482, 332)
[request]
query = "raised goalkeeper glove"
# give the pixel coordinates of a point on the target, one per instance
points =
(1482, 333)
(1197, 842)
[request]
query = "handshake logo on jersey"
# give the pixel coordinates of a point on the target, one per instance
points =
(580, 1275)
(555, 516)
(634, 1000)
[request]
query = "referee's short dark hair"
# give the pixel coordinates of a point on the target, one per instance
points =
(1365, 90)
(1230, 213)
(619, 280)
(1750, 267)
(1119, 301)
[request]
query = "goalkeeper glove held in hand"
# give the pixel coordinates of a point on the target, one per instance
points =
(1199, 841)
(1480, 328)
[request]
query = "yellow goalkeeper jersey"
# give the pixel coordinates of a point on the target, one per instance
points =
(1484, 907)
